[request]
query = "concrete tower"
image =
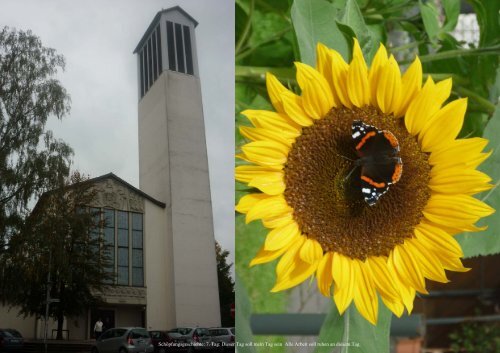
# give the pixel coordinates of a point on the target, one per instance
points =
(182, 289)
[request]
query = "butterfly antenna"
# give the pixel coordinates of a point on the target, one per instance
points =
(352, 171)
(349, 159)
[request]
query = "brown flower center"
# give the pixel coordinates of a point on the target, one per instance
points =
(330, 207)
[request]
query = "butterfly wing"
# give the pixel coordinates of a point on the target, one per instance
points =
(380, 165)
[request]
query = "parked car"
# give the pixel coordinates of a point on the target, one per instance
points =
(10, 340)
(223, 338)
(165, 341)
(124, 340)
(194, 338)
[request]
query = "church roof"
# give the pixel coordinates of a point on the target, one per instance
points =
(127, 185)
(155, 21)
(105, 177)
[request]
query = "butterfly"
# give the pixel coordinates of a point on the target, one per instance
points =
(378, 152)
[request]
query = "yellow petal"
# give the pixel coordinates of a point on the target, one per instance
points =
(245, 173)
(459, 180)
(339, 78)
(272, 206)
(324, 274)
(407, 292)
(426, 104)
(311, 252)
(452, 263)
(288, 259)
(292, 105)
(282, 237)
(292, 271)
(264, 256)
(444, 126)
(344, 275)
(437, 240)
(273, 121)
(274, 90)
(389, 87)
(324, 63)
(383, 278)
(455, 210)
(259, 134)
(365, 297)
(411, 82)
(277, 221)
(463, 152)
(358, 87)
(407, 268)
(266, 153)
(396, 307)
(317, 98)
(269, 183)
(427, 261)
(378, 63)
(248, 201)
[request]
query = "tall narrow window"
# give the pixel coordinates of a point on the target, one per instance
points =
(123, 248)
(141, 72)
(150, 62)
(109, 242)
(187, 47)
(137, 251)
(179, 47)
(146, 59)
(155, 56)
(158, 45)
(171, 46)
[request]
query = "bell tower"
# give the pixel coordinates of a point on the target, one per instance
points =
(180, 263)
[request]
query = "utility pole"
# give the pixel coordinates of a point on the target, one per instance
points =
(48, 300)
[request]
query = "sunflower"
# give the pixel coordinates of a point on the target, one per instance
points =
(300, 158)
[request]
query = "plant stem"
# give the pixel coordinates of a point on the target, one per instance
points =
(245, 53)
(452, 54)
(258, 74)
(246, 31)
(485, 104)
(405, 47)
(442, 76)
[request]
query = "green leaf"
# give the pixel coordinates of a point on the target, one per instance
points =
(314, 21)
(243, 312)
(430, 18)
(488, 242)
(352, 333)
(452, 10)
(353, 18)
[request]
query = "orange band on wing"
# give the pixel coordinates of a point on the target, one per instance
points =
(392, 139)
(372, 183)
(397, 173)
(363, 140)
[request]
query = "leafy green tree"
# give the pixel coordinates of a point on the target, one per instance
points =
(61, 236)
(31, 159)
(226, 286)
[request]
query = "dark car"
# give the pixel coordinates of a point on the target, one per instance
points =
(164, 342)
(124, 340)
(10, 340)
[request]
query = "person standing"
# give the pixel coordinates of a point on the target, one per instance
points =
(98, 328)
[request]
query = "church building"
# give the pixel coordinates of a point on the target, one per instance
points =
(160, 236)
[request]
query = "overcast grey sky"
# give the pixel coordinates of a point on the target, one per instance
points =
(97, 39)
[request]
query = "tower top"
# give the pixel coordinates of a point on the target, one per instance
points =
(171, 11)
